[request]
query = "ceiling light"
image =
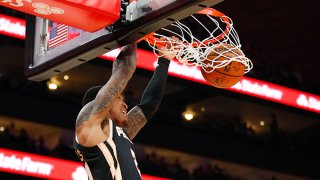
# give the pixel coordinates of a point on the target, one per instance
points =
(188, 116)
(202, 109)
(261, 123)
(2, 128)
(66, 77)
(52, 86)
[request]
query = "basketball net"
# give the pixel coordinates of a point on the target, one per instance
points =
(191, 50)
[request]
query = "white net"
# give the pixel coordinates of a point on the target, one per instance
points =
(203, 40)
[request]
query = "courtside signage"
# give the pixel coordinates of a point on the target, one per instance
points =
(39, 166)
(147, 60)
(27, 164)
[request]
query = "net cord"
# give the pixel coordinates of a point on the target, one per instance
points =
(195, 51)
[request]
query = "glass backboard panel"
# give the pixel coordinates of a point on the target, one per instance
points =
(52, 48)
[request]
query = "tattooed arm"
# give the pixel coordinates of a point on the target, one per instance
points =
(92, 115)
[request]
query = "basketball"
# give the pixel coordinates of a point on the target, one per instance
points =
(228, 75)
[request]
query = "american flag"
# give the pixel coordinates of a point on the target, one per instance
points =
(58, 35)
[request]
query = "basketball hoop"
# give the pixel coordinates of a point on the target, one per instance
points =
(200, 35)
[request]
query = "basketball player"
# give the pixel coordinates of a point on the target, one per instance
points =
(104, 129)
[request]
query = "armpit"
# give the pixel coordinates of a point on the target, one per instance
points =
(136, 121)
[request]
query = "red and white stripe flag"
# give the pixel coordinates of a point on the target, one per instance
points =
(58, 35)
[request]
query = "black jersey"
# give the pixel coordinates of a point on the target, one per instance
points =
(112, 159)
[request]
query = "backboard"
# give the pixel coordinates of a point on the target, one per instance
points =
(52, 48)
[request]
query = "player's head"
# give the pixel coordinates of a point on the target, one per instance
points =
(118, 110)
(90, 95)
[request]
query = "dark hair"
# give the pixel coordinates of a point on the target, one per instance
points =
(90, 95)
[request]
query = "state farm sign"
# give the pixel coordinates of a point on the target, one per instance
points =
(24, 164)
(40, 166)
(46, 167)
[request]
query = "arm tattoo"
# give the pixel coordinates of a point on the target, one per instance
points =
(106, 95)
(122, 71)
(84, 114)
(136, 121)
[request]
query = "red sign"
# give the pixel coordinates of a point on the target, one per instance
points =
(39, 166)
(276, 93)
(45, 167)
(86, 15)
(11, 26)
(147, 60)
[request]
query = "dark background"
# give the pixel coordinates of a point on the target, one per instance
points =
(280, 37)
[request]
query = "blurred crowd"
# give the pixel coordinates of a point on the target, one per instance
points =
(235, 129)
(20, 140)
(153, 164)
(159, 165)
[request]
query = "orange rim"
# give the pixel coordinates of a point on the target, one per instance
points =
(208, 11)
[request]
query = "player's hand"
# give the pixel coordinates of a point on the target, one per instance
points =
(126, 60)
(167, 51)
(128, 50)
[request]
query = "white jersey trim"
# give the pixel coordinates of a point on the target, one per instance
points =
(115, 172)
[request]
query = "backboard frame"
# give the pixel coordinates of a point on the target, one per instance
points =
(88, 46)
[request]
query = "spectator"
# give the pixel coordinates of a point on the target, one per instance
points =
(274, 130)
(40, 147)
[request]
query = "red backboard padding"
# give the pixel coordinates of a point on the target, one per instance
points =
(88, 15)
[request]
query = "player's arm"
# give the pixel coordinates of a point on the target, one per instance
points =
(153, 94)
(151, 98)
(150, 101)
(91, 116)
